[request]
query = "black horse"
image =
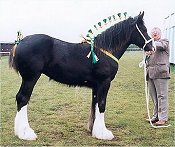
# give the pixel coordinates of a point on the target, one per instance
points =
(67, 63)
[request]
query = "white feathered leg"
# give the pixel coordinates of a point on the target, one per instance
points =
(99, 129)
(22, 128)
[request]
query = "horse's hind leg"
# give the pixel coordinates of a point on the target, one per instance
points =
(92, 111)
(22, 128)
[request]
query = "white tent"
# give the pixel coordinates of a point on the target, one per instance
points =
(169, 33)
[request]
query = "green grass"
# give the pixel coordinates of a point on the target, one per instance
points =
(59, 114)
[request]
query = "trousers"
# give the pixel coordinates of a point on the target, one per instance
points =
(158, 89)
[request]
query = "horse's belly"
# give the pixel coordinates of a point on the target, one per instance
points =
(70, 77)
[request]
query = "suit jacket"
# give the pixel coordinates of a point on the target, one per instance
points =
(157, 64)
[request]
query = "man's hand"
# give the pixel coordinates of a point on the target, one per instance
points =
(149, 53)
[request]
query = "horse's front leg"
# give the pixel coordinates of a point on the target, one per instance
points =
(99, 129)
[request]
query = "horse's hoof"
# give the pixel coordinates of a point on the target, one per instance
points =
(27, 134)
(103, 134)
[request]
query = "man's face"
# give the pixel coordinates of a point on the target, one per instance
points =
(156, 33)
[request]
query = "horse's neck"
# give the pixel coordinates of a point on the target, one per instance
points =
(119, 52)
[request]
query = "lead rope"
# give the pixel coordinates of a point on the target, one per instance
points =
(143, 64)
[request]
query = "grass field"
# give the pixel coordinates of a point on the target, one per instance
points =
(59, 114)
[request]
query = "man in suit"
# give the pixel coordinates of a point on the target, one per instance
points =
(158, 73)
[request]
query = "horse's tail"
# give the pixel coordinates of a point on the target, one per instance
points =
(11, 58)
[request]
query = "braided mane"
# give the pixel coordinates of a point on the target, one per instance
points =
(115, 36)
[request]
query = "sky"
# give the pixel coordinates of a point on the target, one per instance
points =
(68, 19)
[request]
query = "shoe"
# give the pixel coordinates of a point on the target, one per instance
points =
(160, 122)
(153, 120)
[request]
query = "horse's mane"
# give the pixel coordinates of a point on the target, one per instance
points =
(115, 36)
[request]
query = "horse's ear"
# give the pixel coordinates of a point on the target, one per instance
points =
(138, 19)
(140, 16)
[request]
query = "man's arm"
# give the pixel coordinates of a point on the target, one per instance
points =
(162, 44)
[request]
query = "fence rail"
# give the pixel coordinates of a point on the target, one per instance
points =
(4, 54)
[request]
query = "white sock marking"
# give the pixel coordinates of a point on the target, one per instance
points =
(22, 128)
(99, 129)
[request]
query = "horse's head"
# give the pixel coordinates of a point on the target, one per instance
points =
(139, 35)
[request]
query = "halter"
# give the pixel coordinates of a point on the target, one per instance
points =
(146, 41)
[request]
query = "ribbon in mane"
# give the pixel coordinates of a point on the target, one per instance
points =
(98, 29)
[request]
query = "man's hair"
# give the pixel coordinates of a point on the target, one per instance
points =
(156, 29)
